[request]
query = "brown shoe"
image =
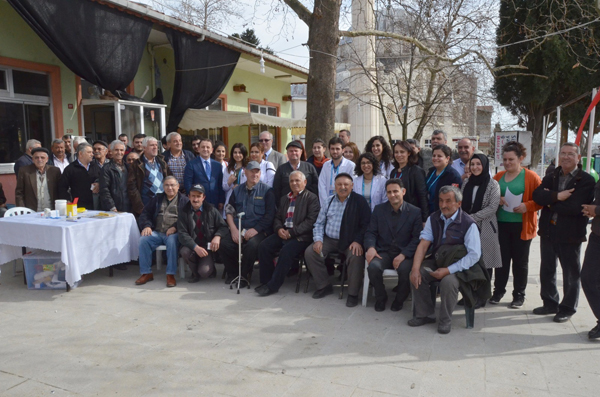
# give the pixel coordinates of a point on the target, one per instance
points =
(171, 281)
(144, 279)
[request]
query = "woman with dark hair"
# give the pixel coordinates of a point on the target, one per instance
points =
(318, 157)
(267, 169)
(368, 181)
(481, 196)
(233, 174)
(517, 226)
(412, 176)
(382, 152)
(219, 153)
(441, 174)
(351, 151)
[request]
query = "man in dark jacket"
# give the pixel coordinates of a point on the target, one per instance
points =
(158, 224)
(340, 227)
(113, 181)
(590, 272)
(448, 226)
(293, 226)
(391, 241)
(146, 176)
(25, 159)
(177, 158)
(256, 200)
(281, 181)
(200, 227)
(81, 176)
(562, 229)
(208, 172)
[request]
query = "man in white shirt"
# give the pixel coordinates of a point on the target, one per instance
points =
(338, 164)
(59, 158)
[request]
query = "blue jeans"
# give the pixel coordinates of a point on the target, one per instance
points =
(149, 243)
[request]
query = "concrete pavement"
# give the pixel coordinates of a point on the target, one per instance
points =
(110, 337)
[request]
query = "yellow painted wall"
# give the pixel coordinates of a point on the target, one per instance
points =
(19, 41)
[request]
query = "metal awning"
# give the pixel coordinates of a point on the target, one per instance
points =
(196, 119)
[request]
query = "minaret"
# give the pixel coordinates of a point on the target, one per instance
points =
(364, 118)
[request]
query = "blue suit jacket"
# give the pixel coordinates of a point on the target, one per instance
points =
(194, 173)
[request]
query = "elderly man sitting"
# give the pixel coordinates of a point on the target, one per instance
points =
(37, 183)
(340, 227)
(158, 223)
(200, 227)
(293, 226)
(451, 228)
(257, 201)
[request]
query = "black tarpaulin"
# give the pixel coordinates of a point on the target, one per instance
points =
(202, 72)
(98, 43)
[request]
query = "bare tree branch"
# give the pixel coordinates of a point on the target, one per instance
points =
(303, 13)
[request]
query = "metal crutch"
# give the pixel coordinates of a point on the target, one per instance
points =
(239, 278)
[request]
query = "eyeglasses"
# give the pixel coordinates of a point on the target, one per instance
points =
(264, 140)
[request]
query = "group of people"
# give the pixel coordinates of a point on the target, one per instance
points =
(454, 226)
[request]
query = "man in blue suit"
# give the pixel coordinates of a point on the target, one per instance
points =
(208, 173)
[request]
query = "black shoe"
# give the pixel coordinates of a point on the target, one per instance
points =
(561, 317)
(194, 278)
(323, 292)
(417, 322)
(263, 290)
(257, 288)
(543, 311)
(120, 266)
(379, 304)
(444, 329)
(595, 332)
(496, 298)
(352, 301)
(517, 302)
(461, 302)
(396, 305)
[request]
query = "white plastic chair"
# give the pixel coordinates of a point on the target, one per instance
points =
(16, 211)
(387, 273)
(181, 261)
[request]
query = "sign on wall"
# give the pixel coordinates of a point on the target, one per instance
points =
(524, 137)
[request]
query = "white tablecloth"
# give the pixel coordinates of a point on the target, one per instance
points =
(84, 246)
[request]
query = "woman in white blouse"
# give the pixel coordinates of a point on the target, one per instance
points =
(233, 173)
(267, 169)
(368, 181)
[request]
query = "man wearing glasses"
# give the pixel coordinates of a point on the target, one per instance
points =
(266, 140)
(562, 229)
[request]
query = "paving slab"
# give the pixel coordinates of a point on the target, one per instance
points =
(110, 337)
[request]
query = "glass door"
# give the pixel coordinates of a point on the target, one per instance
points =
(20, 122)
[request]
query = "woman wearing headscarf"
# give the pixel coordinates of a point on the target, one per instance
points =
(481, 197)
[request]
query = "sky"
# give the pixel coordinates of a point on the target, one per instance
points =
(280, 29)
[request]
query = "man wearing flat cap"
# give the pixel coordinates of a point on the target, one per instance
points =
(257, 201)
(200, 227)
(281, 181)
(100, 151)
(37, 183)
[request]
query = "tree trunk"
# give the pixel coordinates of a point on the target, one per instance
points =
(323, 40)
(535, 124)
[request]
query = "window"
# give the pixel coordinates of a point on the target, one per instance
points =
(25, 111)
(390, 114)
(255, 130)
(428, 143)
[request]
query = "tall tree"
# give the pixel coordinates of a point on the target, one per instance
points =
(562, 60)
(207, 14)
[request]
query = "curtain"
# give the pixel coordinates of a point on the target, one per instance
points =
(202, 72)
(98, 43)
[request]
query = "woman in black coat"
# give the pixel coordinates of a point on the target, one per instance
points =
(441, 174)
(412, 176)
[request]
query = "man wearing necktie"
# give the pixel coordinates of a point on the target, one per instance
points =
(207, 172)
